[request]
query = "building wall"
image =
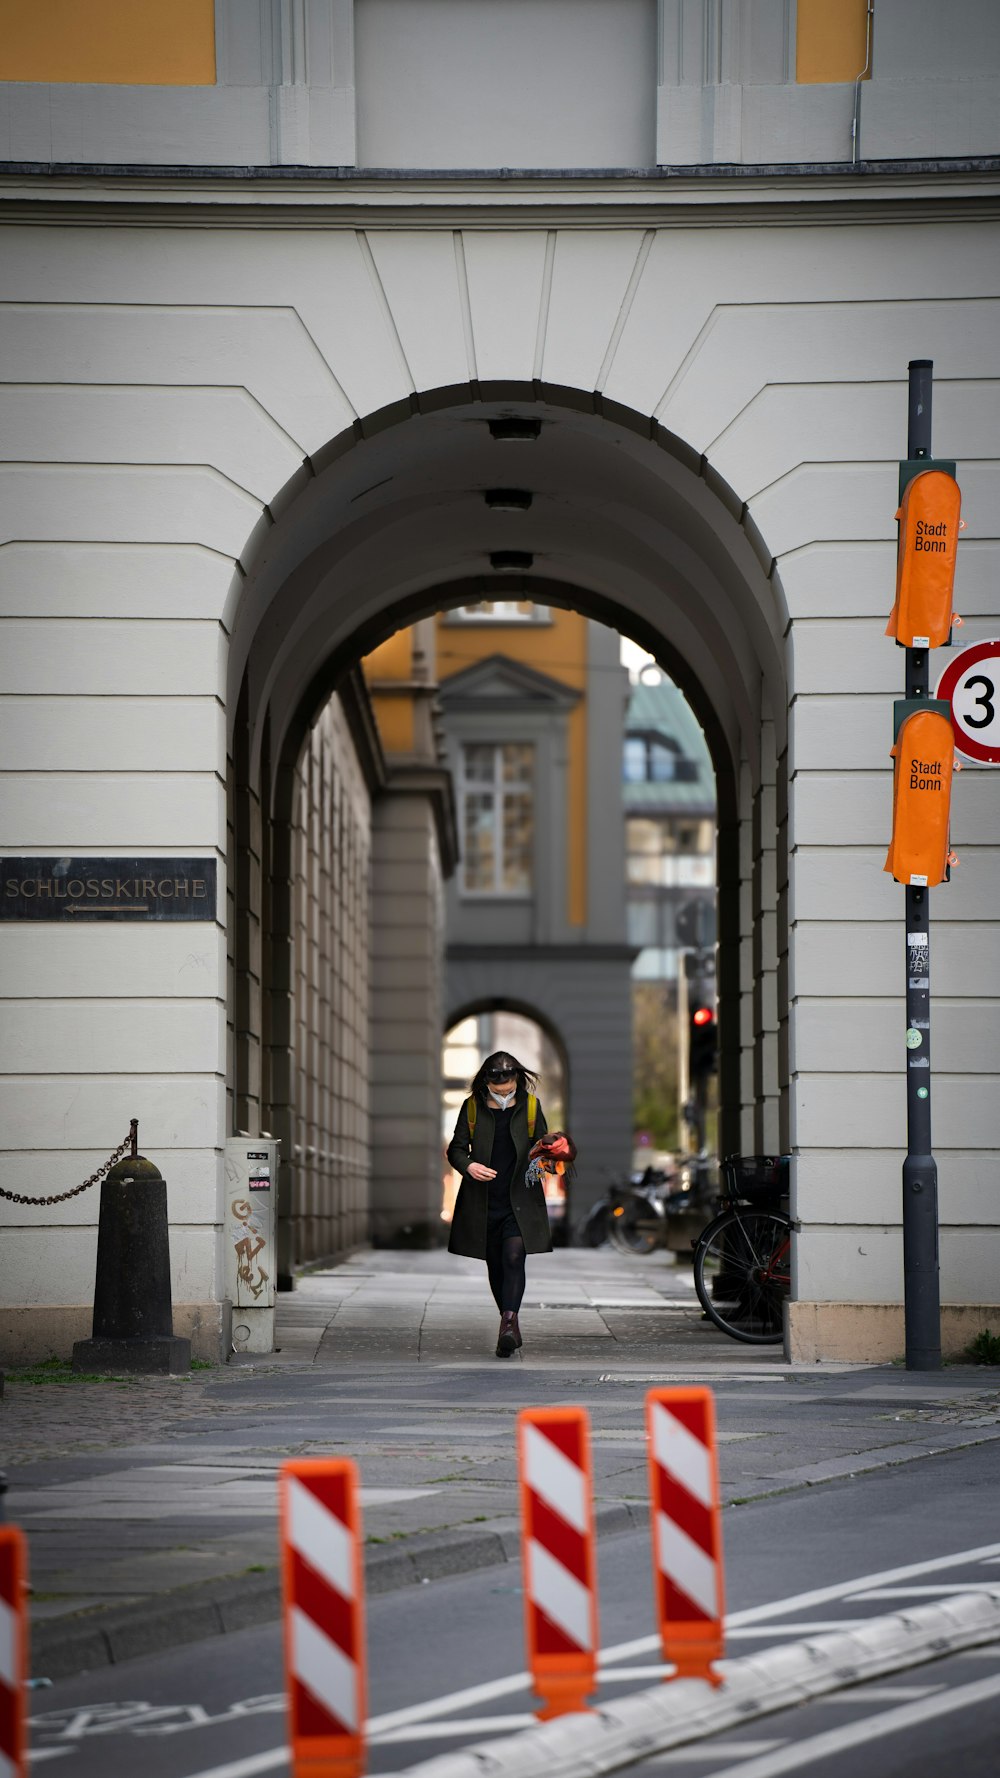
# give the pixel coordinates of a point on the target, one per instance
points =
(408, 1019)
(329, 1064)
(449, 84)
(559, 647)
(195, 366)
(443, 84)
(414, 851)
(108, 42)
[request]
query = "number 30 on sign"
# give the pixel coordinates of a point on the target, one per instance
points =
(971, 685)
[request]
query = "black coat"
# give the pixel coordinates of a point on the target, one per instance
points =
(468, 1225)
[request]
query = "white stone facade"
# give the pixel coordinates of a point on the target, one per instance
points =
(246, 434)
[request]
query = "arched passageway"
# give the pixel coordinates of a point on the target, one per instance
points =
(400, 519)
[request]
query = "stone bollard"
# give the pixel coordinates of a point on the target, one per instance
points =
(133, 1315)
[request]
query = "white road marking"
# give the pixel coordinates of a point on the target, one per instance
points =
(857, 1734)
(617, 1674)
(465, 1699)
(815, 1627)
(968, 1586)
(707, 1752)
(883, 1694)
(479, 1725)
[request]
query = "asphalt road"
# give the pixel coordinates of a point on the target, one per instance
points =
(445, 1660)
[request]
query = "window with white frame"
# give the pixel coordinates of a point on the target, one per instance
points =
(500, 611)
(496, 812)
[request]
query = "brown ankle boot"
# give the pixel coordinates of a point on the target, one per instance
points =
(507, 1340)
(516, 1332)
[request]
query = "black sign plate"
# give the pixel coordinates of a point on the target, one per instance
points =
(85, 889)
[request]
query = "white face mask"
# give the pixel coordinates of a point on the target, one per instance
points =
(503, 1100)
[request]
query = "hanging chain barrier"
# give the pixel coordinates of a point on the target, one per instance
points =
(129, 1146)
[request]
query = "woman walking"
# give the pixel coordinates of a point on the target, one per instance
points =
(498, 1217)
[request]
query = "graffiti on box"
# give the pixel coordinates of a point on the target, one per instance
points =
(248, 1229)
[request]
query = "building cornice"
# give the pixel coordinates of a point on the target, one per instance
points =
(360, 718)
(793, 195)
(434, 785)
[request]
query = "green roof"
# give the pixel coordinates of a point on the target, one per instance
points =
(660, 708)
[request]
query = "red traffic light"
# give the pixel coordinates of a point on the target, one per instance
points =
(702, 1016)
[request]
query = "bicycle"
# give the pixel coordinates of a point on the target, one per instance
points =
(660, 1205)
(742, 1260)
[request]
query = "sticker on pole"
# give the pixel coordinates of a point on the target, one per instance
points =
(970, 683)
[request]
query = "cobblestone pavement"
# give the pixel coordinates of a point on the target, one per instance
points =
(60, 1416)
(151, 1502)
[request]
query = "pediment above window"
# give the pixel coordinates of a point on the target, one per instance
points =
(505, 684)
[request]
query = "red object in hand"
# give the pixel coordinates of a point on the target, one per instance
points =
(556, 1146)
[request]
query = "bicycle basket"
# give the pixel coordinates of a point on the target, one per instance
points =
(754, 1176)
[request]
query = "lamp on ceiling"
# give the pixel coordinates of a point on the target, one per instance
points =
(511, 426)
(508, 499)
(511, 561)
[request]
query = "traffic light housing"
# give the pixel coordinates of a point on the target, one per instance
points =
(924, 760)
(929, 518)
(703, 1041)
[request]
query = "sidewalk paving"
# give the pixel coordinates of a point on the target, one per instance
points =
(150, 1503)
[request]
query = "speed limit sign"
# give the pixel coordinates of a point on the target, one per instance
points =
(971, 685)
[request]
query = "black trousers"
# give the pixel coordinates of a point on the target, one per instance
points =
(505, 1261)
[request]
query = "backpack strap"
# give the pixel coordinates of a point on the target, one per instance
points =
(470, 1112)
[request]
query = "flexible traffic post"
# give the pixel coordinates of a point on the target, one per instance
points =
(687, 1531)
(13, 1652)
(323, 1589)
(559, 1556)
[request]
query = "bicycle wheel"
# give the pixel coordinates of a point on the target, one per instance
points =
(633, 1228)
(593, 1231)
(742, 1273)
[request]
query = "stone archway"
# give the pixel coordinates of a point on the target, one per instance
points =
(249, 411)
(626, 527)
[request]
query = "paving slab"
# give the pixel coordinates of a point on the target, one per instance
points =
(151, 1504)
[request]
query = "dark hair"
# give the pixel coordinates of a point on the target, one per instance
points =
(526, 1081)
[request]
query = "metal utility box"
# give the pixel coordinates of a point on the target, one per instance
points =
(249, 1239)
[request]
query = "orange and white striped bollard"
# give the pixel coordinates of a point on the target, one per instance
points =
(323, 1587)
(687, 1531)
(559, 1556)
(13, 1652)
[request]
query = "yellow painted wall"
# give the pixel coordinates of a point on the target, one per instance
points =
(830, 40)
(394, 716)
(392, 661)
(108, 42)
(560, 650)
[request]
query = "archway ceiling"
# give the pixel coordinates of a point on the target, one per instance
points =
(618, 527)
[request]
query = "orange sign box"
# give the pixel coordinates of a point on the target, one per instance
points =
(924, 757)
(929, 522)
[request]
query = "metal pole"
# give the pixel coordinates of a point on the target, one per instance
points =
(921, 1281)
